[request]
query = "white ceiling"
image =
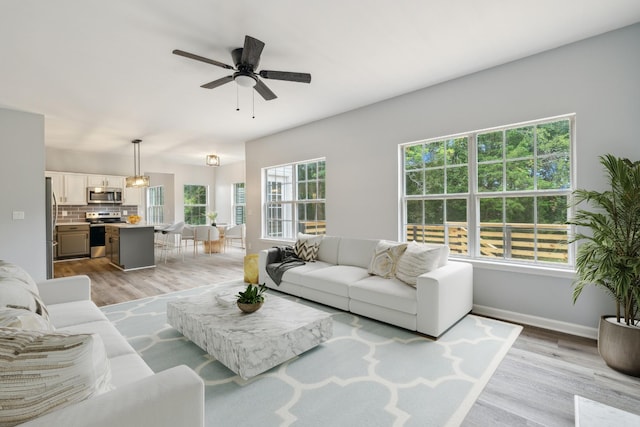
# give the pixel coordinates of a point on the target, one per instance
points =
(102, 72)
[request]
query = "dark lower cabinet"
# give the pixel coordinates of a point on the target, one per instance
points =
(130, 247)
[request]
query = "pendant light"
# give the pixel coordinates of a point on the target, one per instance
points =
(137, 180)
(213, 160)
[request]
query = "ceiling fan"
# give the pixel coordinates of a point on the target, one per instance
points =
(246, 60)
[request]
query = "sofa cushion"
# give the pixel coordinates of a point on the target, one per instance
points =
(42, 372)
(416, 260)
(385, 258)
(334, 279)
(128, 368)
(23, 319)
(328, 251)
(296, 274)
(356, 252)
(74, 313)
(115, 344)
(389, 293)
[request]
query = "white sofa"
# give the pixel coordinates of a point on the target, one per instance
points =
(339, 278)
(174, 397)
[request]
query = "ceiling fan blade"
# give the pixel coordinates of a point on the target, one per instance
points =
(264, 91)
(286, 75)
(251, 51)
(202, 59)
(214, 84)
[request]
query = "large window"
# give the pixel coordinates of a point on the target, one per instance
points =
(294, 196)
(155, 205)
(195, 204)
(239, 206)
(500, 194)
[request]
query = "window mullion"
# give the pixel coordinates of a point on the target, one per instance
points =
(473, 212)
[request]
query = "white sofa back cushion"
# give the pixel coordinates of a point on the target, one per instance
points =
(328, 251)
(356, 252)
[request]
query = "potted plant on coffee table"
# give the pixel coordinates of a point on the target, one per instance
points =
(609, 258)
(251, 299)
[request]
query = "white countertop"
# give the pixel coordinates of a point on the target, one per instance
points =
(126, 225)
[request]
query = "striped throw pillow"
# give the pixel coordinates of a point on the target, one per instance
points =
(41, 372)
(306, 250)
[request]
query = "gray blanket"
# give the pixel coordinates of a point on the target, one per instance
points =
(279, 260)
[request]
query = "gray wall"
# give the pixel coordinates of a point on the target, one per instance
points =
(22, 190)
(596, 78)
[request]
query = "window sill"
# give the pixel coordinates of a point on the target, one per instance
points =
(538, 270)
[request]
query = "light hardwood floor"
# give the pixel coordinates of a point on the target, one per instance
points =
(533, 386)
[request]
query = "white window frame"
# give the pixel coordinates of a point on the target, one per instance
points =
(288, 206)
(155, 212)
(473, 196)
(197, 205)
(235, 204)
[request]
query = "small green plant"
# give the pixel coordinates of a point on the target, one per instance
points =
(212, 215)
(252, 295)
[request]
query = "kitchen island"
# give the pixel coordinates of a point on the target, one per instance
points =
(130, 246)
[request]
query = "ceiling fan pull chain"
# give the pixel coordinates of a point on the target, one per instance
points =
(253, 99)
(237, 99)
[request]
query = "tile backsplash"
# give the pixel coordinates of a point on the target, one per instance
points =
(76, 213)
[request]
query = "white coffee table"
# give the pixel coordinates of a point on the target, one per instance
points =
(249, 344)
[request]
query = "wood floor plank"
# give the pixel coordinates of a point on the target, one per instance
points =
(533, 386)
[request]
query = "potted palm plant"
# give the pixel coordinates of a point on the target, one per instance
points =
(609, 258)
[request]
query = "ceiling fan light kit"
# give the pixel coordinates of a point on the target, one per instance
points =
(246, 60)
(244, 80)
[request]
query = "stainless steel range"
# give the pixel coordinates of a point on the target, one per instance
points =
(97, 220)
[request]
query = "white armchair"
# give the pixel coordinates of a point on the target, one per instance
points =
(237, 232)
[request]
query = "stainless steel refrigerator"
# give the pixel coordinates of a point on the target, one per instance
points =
(51, 215)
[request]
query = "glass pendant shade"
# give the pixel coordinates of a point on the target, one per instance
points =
(137, 180)
(213, 160)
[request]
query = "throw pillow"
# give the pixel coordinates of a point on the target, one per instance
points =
(41, 372)
(310, 238)
(11, 270)
(416, 260)
(385, 258)
(23, 319)
(306, 251)
(15, 293)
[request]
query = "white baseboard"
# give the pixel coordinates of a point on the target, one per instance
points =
(540, 322)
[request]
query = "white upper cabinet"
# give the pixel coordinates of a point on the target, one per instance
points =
(133, 196)
(69, 188)
(105, 181)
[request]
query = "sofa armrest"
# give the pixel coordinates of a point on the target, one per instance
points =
(170, 398)
(65, 289)
(266, 257)
(445, 295)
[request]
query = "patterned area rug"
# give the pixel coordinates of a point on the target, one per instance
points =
(368, 374)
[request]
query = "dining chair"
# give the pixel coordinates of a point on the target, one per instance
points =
(208, 235)
(172, 239)
(237, 232)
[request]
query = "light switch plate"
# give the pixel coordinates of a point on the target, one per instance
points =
(18, 214)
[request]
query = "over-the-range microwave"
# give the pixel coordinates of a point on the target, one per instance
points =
(104, 195)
